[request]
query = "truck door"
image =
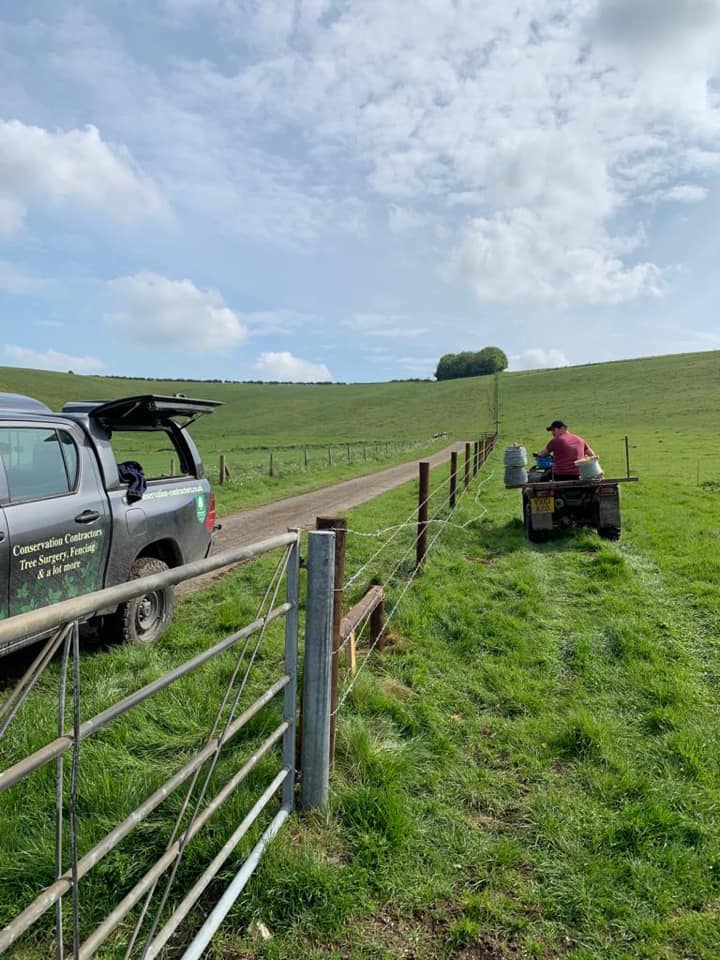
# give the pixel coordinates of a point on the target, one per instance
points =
(56, 513)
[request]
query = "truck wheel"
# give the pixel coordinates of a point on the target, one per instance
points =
(534, 536)
(609, 533)
(146, 618)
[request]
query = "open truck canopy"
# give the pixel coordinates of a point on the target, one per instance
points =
(141, 411)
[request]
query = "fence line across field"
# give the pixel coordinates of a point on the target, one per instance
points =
(378, 639)
(234, 465)
(410, 521)
(396, 528)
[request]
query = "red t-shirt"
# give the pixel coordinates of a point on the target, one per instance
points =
(566, 449)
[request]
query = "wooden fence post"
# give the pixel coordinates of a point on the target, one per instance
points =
(421, 542)
(377, 626)
(306, 458)
(339, 525)
(271, 470)
(476, 457)
(453, 479)
(221, 479)
(467, 465)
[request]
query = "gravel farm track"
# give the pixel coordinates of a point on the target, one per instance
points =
(249, 526)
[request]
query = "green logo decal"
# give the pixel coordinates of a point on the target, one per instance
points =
(201, 507)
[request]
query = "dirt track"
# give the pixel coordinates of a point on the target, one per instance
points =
(249, 526)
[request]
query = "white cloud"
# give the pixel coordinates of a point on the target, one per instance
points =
(531, 116)
(521, 256)
(173, 313)
(51, 360)
(538, 358)
(38, 166)
(382, 325)
(686, 193)
(519, 137)
(284, 366)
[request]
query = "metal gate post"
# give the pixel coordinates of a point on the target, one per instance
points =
(315, 781)
(290, 697)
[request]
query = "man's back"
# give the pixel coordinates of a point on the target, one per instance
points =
(566, 449)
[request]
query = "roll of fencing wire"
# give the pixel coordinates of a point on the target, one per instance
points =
(515, 476)
(515, 456)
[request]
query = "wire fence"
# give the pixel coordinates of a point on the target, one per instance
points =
(395, 552)
(241, 465)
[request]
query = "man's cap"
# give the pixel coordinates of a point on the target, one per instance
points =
(556, 424)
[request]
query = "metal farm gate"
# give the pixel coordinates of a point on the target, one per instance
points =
(156, 915)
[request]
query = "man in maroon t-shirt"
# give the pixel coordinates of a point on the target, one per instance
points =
(565, 448)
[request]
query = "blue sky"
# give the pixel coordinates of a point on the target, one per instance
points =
(347, 190)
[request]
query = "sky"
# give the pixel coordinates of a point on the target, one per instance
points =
(319, 190)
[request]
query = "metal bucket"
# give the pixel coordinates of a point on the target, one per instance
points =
(515, 456)
(589, 469)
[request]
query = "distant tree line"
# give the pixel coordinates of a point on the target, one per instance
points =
(452, 366)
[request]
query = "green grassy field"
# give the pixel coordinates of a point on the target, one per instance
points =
(531, 770)
(655, 401)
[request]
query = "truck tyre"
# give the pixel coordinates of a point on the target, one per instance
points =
(534, 536)
(609, 533)
(143, 619)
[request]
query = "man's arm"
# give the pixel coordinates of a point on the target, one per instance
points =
(546, 450)
(588, 449)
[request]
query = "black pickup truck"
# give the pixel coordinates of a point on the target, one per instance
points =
(75, 517)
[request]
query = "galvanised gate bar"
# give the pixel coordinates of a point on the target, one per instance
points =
(63, 620)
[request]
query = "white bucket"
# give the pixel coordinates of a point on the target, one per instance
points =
(589, 468)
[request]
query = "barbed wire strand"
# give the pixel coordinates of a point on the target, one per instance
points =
(390, 615)
(410, 521)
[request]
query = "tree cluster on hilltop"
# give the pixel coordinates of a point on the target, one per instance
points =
(452, 366)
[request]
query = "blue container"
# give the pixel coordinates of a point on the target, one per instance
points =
(545, 463)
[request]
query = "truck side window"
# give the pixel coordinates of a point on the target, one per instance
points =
(34, 463)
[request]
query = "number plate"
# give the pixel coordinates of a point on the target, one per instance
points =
(542, 504)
